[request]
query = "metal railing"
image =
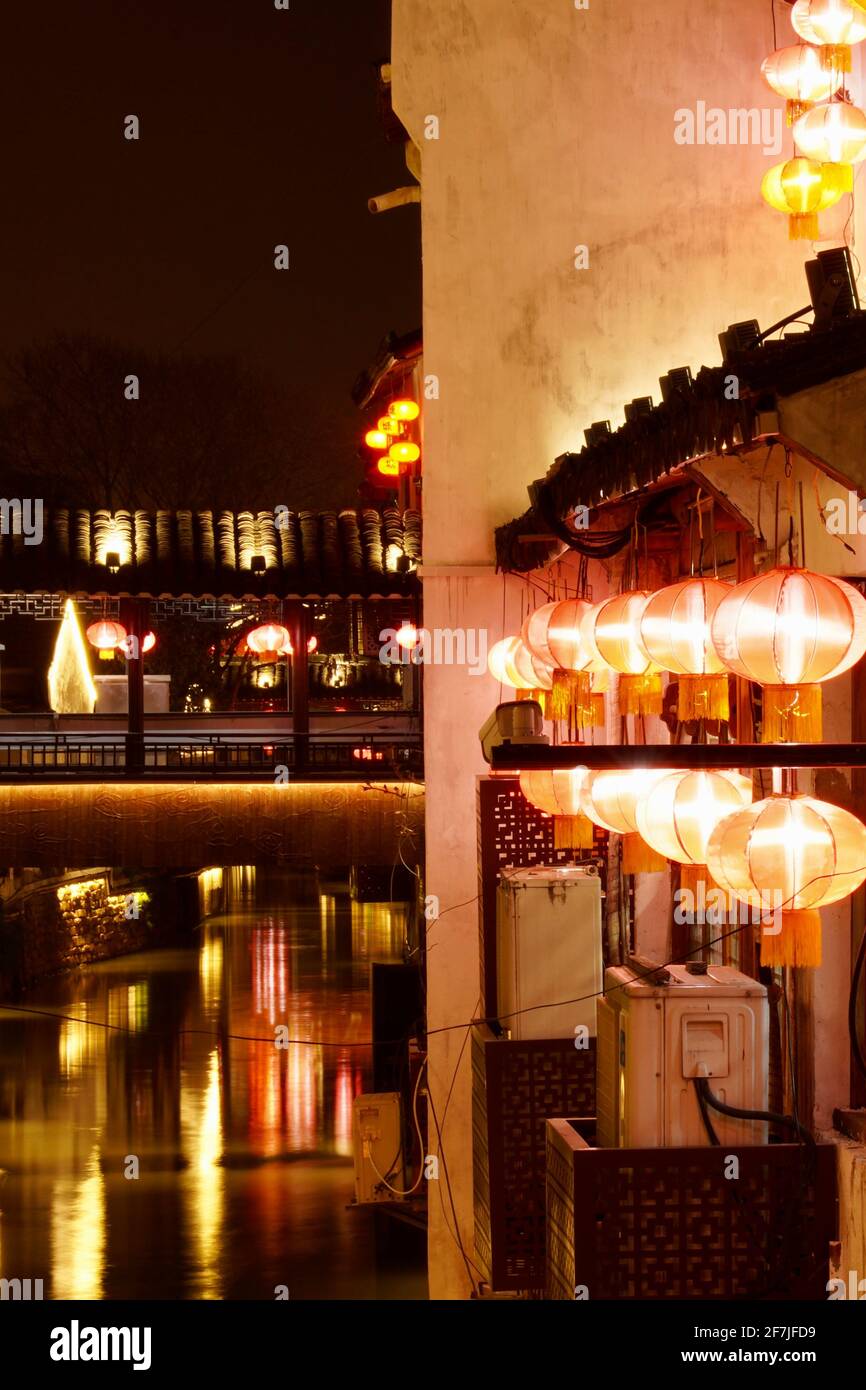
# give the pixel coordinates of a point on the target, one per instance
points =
(77, 756)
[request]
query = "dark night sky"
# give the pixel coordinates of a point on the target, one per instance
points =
(257, 127)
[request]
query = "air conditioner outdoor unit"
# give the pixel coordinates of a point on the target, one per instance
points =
(548, 934)
(653, 1038)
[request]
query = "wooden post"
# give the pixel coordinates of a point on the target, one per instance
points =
(298, 623)
(133, 616)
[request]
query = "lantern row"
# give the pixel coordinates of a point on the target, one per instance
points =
(784, 856)
(829, 131)
(787, 630)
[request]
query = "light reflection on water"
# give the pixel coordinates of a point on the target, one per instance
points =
(243, 1149)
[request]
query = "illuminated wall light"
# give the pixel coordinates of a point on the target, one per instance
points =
(113, 548)
(407, 635)
(312, 643)
(376, 439)
(404, 410)
(148, 642)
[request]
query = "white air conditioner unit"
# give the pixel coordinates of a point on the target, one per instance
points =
(377, 1147)
(548, 944)
(653, 1038)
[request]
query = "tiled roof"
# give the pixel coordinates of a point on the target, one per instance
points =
(697, 418)
(297, 554)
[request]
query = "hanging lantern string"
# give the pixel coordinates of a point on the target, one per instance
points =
(802, 527)
(700, 535)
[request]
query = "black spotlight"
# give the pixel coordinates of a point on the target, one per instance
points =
(596, 432)
(678, 379)
(641, 405)
(832, 287)
(739, 337)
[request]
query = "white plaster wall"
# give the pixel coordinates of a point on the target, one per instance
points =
(555, 130)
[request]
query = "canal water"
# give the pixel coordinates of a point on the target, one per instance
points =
(163, 1062)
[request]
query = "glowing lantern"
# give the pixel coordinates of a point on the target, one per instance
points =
(570, 694)
(612, 631)
(106, 635)
(271, 639)
(789, 629)
(558, 794)
(534, 633)
(404, 410)
(389, 467)
(405, 452)
(788, 856)
(407, 635)
(802, 188)
(312, 643)
(681, 810)
(610, 799)
(835, 132)
(833, 24)
(148, 642)
(675, 630)
(511, 663)
(376, 439)
(388, 425)
(798, 74)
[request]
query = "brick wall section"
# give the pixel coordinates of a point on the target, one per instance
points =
(51, 933)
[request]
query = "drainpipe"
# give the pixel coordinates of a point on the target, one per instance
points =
(400, 197)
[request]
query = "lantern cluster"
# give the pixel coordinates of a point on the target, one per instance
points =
(829, 132)
(787, 630)
(783, 857)
(391, 440)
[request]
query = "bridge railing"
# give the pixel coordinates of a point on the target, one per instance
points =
(327, 756)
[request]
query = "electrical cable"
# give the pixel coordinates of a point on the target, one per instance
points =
(852, 1007)
(702, 1086)
(447, 1028)
(455, 1234)
(417, 1183)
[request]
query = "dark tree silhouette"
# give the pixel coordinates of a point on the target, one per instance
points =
(204, 432)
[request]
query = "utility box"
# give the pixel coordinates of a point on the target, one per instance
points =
(548, 949)
(377, 1147)
(654, 1039)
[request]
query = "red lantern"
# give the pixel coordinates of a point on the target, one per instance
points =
(269, 639)
(104, 635)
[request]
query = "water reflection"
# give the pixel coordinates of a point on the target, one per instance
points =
(165, 1066)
